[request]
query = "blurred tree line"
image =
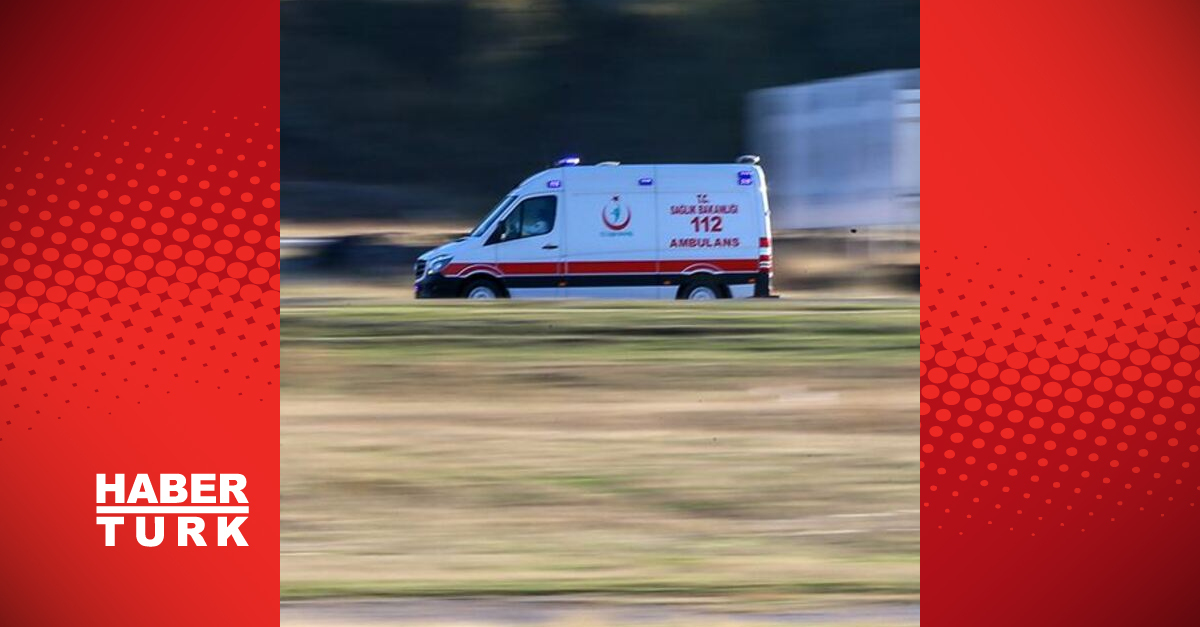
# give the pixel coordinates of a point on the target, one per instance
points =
(469, 96)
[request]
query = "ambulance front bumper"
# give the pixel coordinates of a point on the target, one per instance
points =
(437, 286)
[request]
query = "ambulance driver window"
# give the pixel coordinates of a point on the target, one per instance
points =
(533, 217)
(510, 229)
(538, 218)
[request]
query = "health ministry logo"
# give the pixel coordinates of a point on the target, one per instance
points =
(616, 216)
(186, 499)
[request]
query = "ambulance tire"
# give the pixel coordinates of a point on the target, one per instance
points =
(702, 288)
(484, 289)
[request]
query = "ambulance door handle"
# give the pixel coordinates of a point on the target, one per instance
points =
(550, 247)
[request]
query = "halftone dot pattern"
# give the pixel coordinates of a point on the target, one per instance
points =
(126, 272)
(1058, 399)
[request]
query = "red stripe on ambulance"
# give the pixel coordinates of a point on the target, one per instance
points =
(689, 266)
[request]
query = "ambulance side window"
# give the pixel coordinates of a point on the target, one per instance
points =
(510, 229)
(538, 216)
(534, 216)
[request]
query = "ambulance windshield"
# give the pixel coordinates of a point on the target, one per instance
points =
(491, 218)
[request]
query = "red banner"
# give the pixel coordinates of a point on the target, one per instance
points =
(139, 339)
(1059, 330)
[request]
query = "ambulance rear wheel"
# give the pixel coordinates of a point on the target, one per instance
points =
(483, 289)
(700, 289)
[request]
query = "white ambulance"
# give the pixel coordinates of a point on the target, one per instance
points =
(689, 231)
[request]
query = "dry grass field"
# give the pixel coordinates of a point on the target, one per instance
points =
(758, 459)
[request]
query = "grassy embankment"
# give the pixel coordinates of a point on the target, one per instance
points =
(760, 453)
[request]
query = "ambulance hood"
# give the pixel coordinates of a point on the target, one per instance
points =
(448, 248)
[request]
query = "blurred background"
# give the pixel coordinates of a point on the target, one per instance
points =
(406, 120)
(584, 463)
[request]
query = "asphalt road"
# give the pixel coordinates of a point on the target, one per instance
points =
(560, 610)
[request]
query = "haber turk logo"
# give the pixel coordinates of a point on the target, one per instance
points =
(192, 501)
(616, 216)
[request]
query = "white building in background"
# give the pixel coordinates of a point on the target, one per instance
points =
(841, 153)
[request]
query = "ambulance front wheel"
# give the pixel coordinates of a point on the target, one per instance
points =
(484, 289)
(701, 289)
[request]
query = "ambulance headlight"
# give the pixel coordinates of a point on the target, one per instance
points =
(437, 264)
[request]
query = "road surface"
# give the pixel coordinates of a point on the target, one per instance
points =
(569, 611)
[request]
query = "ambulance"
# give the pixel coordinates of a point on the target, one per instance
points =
(679, 231)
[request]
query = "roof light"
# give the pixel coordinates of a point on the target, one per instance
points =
(749, 159)
(609, 163)
(745, 177)
(567, 161)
